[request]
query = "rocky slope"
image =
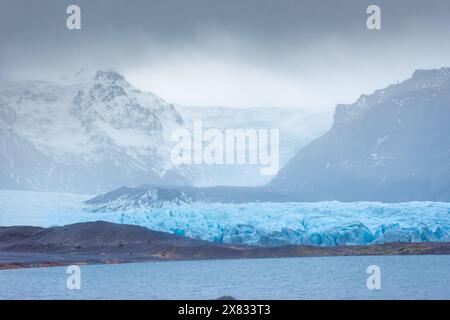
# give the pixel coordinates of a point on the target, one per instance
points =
(390, 146)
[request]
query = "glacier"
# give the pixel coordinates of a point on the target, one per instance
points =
(322, 223)
(328, 223)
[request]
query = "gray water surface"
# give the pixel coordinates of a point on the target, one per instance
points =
(402, 277)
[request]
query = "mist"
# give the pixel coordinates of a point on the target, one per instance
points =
(229, 53)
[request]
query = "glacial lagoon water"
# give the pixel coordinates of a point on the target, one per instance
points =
(402, 277)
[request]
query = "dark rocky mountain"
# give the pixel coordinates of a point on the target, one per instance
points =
(391, 146)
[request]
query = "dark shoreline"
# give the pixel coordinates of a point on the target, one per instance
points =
(108, 243)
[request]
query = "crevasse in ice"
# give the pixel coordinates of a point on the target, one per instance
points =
(321, 223)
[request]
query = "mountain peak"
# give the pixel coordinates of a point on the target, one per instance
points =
(92, 125)
(87, 76)
(108, 76)
(441, 72)
(431, 78)
(390, 146)
(422, 79)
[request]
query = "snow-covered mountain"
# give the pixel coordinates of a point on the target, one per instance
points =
(95, 133)
(151, 196)
(392, 145)
(86, 134)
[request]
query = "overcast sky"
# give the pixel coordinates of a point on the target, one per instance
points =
(309, 54)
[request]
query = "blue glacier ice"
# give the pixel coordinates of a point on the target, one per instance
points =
(321, 223)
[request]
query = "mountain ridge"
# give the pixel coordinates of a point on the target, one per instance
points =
(92, 132)
(84, 135)
(390, 146)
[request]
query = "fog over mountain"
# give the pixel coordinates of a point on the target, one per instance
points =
(89, 134)
(299, 53)
(97, 133)
(92, 133)
(392, 145)
(297, 128)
